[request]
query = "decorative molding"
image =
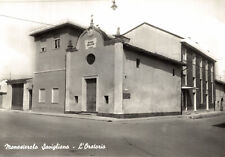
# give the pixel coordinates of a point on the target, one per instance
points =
(50, 71)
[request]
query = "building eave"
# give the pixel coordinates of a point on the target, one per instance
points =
(220, 82)
(54, 27)
(16, 81)
(155, 28)
(154, 55)
(197, 50)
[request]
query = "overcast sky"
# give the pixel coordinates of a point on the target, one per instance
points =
(202, 20)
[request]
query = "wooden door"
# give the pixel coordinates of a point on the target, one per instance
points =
(17, 96)
(91, 95)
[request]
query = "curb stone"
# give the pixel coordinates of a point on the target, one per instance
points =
(111, 119)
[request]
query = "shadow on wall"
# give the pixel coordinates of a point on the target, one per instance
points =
(221, 125)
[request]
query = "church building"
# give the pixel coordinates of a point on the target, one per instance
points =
(82, 69)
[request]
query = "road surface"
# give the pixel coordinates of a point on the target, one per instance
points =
(155, 137)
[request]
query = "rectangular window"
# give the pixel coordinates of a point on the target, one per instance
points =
(184, 70)
(76, 99)
(201, 83)
(138, 63)
(57, 43)
(200, 64)
(184, 55)
(212, 73)
(206, 71)
(55, 95)
(194, 65)
(43, 49)
(106, 99)
(212, 93)
(42, 95)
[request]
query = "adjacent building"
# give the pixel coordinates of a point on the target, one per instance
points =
(3, 92)
(17, 94)
(198, 77)
(220, 95)
(50, 66)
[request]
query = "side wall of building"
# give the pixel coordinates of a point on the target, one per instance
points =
(50, 69)
(156, 41)
(48, 81)
(220, 93)
(152, 87)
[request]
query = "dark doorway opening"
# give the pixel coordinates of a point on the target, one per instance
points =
(30, 99)
(91, 95)
(17, 96)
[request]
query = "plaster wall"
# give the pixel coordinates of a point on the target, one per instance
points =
(102, 69)
(26, 96)
(8, 103)
(53, 58)
(156, 41)
(152, 86)
(220, 93)
(3, 97)
(48, 81)
(50, 68)
(3, 93)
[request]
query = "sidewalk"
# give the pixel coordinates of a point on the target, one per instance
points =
(205, 114)
(111, 119)
(67, 115)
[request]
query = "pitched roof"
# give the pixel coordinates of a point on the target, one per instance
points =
(16, 81)
(155, 28)
(197, 48)
(154, 55)
(183, 40)
(53, 27)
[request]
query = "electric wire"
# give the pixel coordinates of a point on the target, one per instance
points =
(26, 20)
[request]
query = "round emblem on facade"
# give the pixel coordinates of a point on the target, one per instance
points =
(90, 58)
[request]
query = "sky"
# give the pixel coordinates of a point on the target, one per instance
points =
(202, 20)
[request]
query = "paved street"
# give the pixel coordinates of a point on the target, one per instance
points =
(157, 137)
